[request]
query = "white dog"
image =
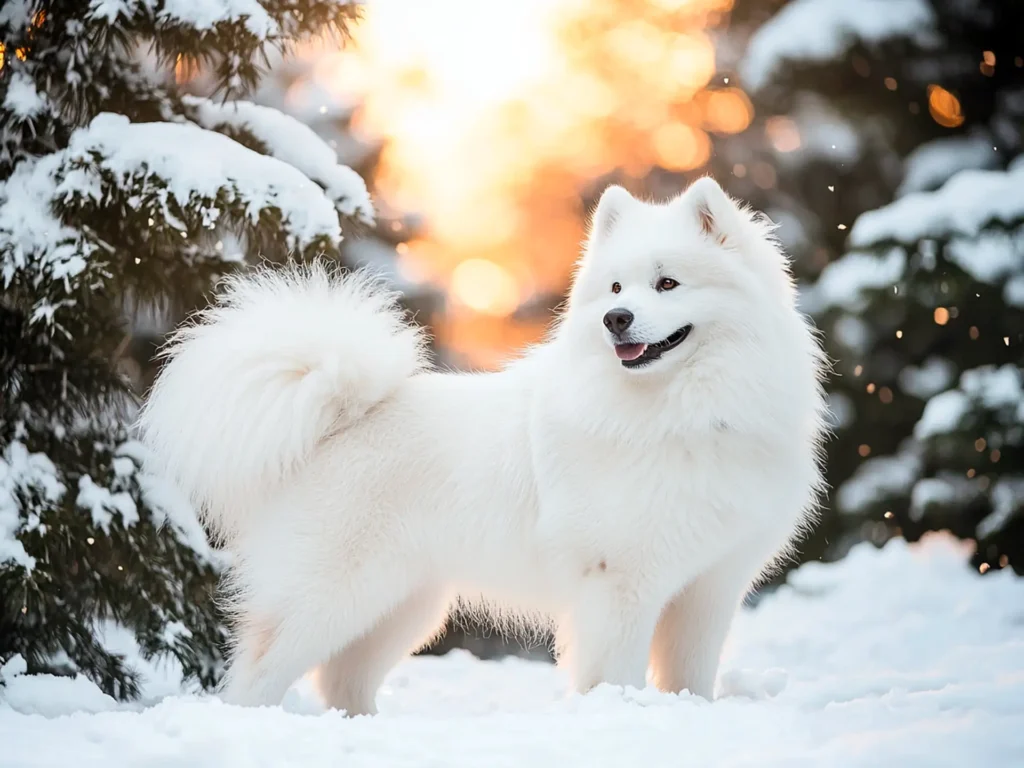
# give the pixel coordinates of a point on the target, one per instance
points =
(629, 479)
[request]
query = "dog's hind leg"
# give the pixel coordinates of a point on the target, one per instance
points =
(275, 648)
(271, 654)
(350, 678)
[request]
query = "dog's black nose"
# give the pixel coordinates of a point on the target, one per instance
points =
(618, 320)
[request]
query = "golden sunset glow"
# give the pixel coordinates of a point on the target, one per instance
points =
(496, 119)
(485, 286)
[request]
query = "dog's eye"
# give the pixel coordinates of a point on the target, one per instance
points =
(667, 284)
(616, 287)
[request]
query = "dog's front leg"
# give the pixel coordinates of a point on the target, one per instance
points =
(606, 636)
(692, 630)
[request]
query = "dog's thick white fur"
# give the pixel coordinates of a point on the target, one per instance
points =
(631, 502)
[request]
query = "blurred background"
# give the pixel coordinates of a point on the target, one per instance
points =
(883, 136)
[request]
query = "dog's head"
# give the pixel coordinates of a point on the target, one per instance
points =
(658, 281)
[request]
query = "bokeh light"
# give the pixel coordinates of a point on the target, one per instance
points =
(485, 287)
(496, 122)
(944, 107)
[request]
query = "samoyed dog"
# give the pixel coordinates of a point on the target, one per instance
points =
(627, 480)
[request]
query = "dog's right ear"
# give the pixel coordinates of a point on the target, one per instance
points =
(610, 208)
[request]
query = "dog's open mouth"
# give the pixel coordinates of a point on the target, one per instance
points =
(639, 355)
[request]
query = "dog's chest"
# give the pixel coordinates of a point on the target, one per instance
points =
(621, 499)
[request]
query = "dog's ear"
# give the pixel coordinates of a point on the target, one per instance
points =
(712, 209)
(614, 201)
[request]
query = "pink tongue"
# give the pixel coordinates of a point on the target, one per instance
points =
(629, 351)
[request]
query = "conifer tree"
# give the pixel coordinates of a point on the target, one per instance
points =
(118, 191)
(888, 144)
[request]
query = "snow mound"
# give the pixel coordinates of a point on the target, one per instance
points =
(902, 655)
(48, 695)
(823, 30)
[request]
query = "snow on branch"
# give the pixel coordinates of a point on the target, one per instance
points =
(967, 203)
(234, 35)
(208, 13)
(1007, 502)
(824, 30)
(263, 20)
(293, 142)
(933, 163)
(30, 235)
(987, 393)
(932, 376)
(198, 14)
(845, 282)
(30, 483)
(167, 503)
(877, 480)
(990, 257)
(961, 211)
(23, 475)
(946, 492)
(194, 168)
(999, 390)
(185, 172)
(23, 101)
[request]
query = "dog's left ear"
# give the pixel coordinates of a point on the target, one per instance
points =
(713, 210)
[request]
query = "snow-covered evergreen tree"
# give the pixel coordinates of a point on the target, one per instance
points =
(888, 143)
(118, 191)
(294, 86)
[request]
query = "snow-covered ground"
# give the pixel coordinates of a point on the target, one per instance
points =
(901, 656)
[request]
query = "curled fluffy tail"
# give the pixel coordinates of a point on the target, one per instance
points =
(253, 383)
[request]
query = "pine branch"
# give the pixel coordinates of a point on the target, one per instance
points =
(232, 39)
(93, 554)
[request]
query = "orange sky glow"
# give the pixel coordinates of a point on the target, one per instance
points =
(498, 116)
